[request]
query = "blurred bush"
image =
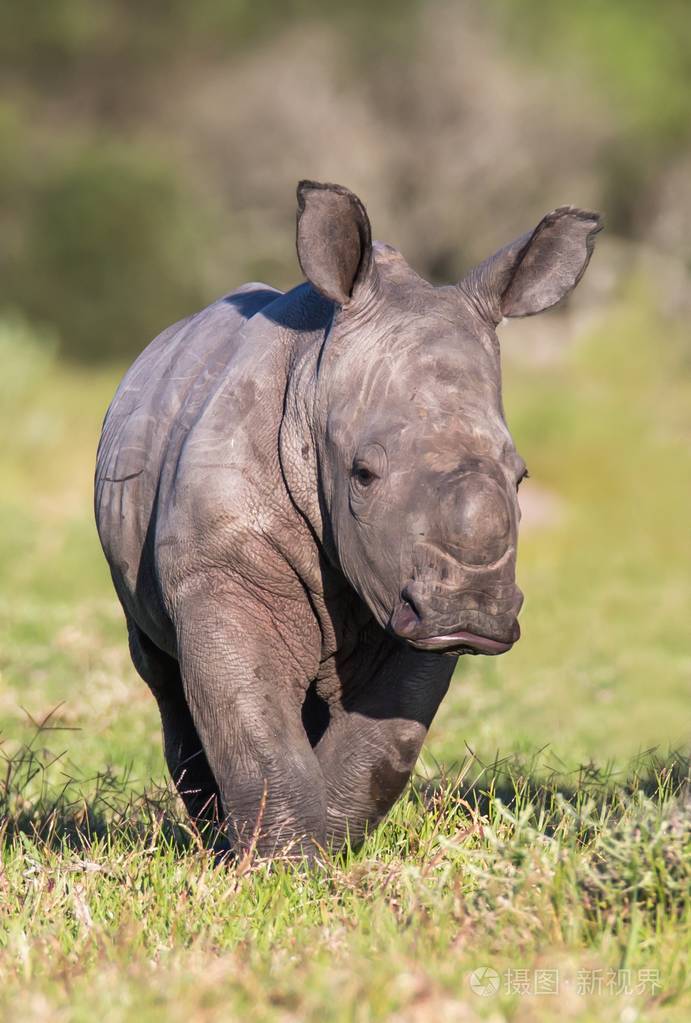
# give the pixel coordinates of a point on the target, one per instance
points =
(150, 150)
(106, 243)
(26, 361)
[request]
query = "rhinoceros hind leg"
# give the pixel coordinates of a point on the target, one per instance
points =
(183, 749)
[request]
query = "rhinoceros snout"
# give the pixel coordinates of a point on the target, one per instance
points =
(424, 610)
(454, 628)
(446, 598)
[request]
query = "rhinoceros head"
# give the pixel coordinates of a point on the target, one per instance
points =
(417, 469)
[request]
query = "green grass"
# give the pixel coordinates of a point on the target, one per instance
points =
(111, 907)
(513, 857)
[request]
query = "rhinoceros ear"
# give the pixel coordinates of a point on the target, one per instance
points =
(334, 239)
(538, 269)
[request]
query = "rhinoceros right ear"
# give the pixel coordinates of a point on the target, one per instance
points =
(538, 269)
(334, 239)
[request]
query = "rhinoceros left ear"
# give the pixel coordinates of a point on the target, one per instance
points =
(538, 269)
(334, 239)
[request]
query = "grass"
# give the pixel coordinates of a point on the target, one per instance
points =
(113, 908)
(548, 831)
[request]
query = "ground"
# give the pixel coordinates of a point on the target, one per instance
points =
(538, 868)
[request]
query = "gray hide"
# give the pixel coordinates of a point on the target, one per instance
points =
(308, 504)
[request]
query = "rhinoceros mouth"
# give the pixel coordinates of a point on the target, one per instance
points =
(462, 643)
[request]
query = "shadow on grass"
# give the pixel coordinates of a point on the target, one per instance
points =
(518, 782)
(39, 799)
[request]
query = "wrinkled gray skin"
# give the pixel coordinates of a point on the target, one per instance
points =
(306, 500)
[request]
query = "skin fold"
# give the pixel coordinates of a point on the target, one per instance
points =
(308, 505)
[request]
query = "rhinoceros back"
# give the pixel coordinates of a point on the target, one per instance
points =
(159, 398)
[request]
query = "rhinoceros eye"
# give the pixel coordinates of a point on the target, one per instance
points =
(525, 475)
(363, 476)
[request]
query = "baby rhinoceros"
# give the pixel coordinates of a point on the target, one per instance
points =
(308, 504)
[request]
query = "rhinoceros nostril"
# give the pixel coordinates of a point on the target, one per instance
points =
(406, 617)
(410, 599)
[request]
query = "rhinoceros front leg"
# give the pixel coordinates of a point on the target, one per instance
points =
(374, 738)
(246, 704)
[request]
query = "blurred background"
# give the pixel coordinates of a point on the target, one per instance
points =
(149, 154)
(151, 149)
